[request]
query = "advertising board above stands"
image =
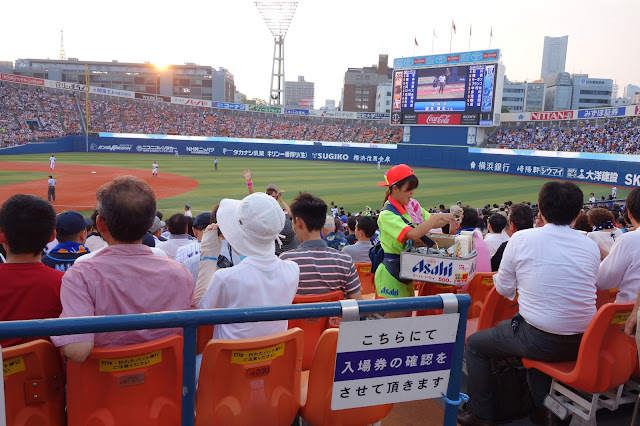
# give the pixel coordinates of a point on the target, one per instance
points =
(176, 100)
(576, 114)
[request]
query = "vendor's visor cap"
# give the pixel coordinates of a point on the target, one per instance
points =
(396, 174)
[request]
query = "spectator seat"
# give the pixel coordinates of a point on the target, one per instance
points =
(313, 327)
(33, 385)
(496, 308)
(251, 381)
(606, 359)
(317, 390)
(134, 384)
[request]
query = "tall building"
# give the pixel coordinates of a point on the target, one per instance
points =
(564, 91)
(554, 55)
(383, 97)
(299, 93)
(188, 81)
(513, 95)
(557, 92)
(522, 96)
(630, 90)
(534, 97)
(590, 92)
(329, 105)
(361, 85)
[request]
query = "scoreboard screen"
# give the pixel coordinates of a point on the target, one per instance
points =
(448, 95)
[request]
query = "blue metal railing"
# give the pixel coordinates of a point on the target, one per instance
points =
(190, 320)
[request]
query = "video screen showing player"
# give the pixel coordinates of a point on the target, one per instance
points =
(441, 83)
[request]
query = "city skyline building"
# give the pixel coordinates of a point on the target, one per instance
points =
(361, 84)
(299, 93)
(188, 81)
(554, 55)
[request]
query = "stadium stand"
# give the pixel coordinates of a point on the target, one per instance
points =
(615, 136)
(30, 114)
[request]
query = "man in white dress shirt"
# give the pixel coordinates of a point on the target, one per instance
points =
(553, 269)
(621, 268)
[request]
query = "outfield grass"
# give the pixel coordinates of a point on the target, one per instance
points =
(350, 185)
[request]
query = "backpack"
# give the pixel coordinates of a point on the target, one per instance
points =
(376, 254)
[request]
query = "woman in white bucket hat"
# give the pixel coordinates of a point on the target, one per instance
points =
(261, 279)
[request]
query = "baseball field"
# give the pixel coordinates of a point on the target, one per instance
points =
(192, 180)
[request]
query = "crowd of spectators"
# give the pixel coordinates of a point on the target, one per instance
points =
(621, 136)
(308, 248)
(35, 113)
(29, 114)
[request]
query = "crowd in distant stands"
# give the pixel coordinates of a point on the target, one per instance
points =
(30, 114)
(614, 137)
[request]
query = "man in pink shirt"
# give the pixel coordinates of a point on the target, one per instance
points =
(125, 277)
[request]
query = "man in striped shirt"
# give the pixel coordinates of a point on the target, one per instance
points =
(322, 269)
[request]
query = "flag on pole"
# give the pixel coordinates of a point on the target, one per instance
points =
(415, 40)
(469, 30)
(434, 33)
(453, 26)
(491, 34)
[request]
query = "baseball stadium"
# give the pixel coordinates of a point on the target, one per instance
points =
(171, 258)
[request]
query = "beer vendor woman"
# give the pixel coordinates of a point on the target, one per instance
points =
(395, 232)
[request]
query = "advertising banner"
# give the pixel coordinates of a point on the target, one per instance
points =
(267, 109)
(19, 79)
(372, 116)
(112, 92)
(334, 114)
(477, 56)
(191, 102)
(153, 98)
(439, 119)
(65, 86)
(554, 115)
(229, 105)
(296, 111)
(601, 112)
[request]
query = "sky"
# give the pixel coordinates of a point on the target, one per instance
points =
(326, 37)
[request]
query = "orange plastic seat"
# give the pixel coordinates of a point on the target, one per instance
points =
(606, 296)
(203, 335)
(313, 327)
(33, 385)
(606, 359)
(478, 289)
(431, 289)
(367, 284)
(496, 308)
(251, 381)
(317, 391)
(135, 384)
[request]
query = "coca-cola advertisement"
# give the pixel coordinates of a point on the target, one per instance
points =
(439, 119)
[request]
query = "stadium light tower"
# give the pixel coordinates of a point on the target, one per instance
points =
(278, 17)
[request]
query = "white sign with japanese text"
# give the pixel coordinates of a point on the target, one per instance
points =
(393, 360)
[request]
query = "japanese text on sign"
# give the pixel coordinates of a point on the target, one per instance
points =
(394, 360)
(130, 363)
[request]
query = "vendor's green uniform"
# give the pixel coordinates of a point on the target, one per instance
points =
(393, 232)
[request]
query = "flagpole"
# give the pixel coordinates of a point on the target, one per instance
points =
(469, 37)
(490, 36)
(450, 36)
(433, 40)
